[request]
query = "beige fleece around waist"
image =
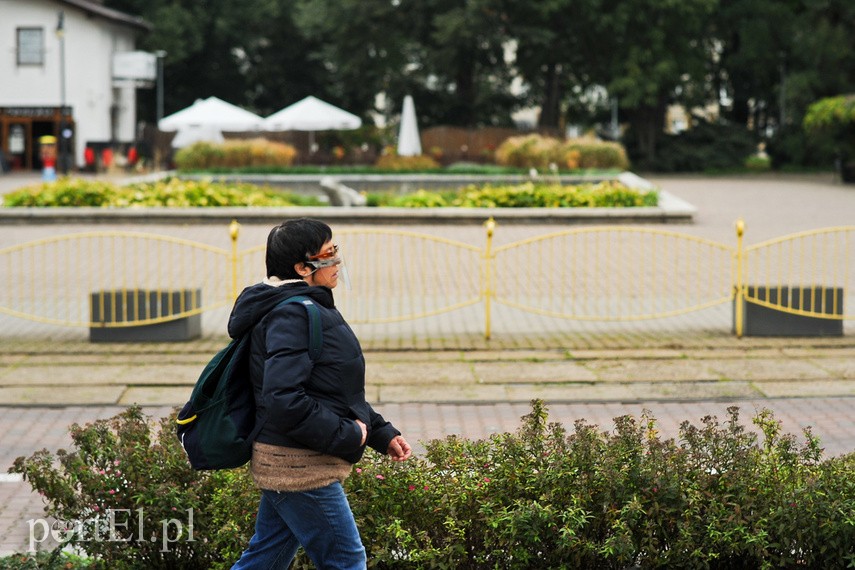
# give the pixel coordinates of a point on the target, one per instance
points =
(277, 468)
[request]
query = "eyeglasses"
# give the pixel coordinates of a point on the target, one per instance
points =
(325, 259)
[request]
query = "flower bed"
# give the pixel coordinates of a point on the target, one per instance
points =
(171, 192)
(176, 193)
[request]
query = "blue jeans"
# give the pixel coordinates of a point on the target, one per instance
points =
(319, 520)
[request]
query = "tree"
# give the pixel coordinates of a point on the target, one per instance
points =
(473, 62)
(779, 56)
(448, 54)
(657, 53)
(465, 70)
(555, 50)
(646, 53)
(755, 41)
(362, 46)
(249, 53)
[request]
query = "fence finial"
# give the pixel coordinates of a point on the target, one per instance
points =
(739, 286)
(234, 230)
(491, 226)
(487, 284)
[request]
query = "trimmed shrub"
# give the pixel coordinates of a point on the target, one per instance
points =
(831, 121)
(235, 154)
(529, 151)
(392, 162)
(590, 153)
(536, 151)
(720, 496)
(830, 113)
(64, 192)
(608, 194)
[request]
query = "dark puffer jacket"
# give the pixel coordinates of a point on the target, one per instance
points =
(309, 405)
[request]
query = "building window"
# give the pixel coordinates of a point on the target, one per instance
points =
(31, 46)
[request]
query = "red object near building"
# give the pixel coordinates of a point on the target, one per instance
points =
(89, 157)
(107, 157)
(132, 155)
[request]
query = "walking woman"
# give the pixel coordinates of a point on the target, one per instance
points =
(317, 422)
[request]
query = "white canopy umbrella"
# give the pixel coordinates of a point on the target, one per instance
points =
(196, 133)
(409, 143)
(206, 119)
(311, 114)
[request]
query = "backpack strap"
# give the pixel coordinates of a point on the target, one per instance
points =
(316, 341)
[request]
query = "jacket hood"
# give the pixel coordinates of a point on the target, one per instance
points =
(257, 300)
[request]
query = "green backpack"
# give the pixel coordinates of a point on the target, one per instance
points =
(217, 425)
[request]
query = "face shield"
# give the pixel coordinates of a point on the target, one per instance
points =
(330, 258)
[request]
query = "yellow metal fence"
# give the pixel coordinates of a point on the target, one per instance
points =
(596, 273)
(67, 279)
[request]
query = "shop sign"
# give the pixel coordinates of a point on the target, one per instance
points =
(31, 111)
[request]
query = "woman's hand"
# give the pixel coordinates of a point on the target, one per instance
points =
(399, 449)
(364, 431)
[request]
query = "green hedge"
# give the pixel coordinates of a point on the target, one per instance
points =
(608, 194)
(235, 154)
(392, 162)
(174, 192)
(831, 122)
(536, 151)
(171, 192)
(720, 496)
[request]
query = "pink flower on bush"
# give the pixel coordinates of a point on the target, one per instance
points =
(358, 470)
(380, 477)
(412, 487)
(112, 491)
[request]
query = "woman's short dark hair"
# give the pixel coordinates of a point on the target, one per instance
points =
(292, 242)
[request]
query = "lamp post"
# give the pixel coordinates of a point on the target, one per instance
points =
(159, 54)
(63, 134)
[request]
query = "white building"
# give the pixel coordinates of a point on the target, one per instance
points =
(59, 53)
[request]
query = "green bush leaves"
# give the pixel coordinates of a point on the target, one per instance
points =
(235, 154)
(720, 496)
(178, 193)
(536, 151)
(608, 194)
(171, 192)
